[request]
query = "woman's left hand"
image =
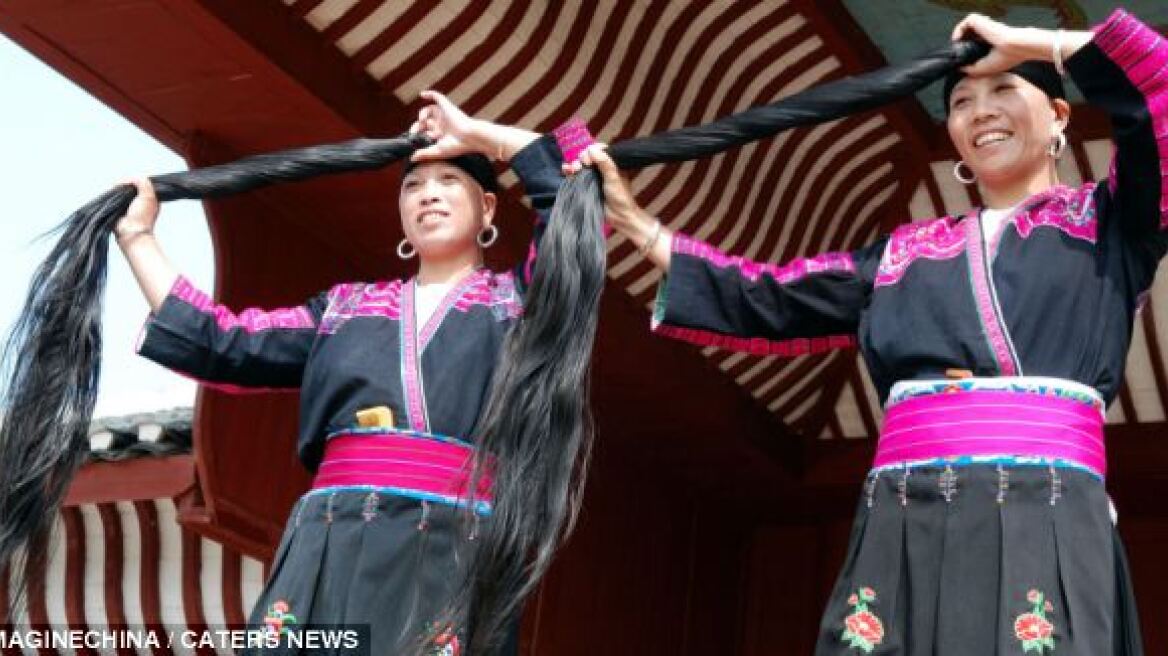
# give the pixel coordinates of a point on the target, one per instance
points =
(620, 206)
(1011, 45)
(453, 131)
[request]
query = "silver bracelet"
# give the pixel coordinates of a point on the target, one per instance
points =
(649, 243)
(1056, 53)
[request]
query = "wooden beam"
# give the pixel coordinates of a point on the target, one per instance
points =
(291, 45)
(153, 477)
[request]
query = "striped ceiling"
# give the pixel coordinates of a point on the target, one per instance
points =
(636, 68)
(130, 563)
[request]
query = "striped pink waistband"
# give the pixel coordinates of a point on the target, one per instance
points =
(992, 423)
(415, 465)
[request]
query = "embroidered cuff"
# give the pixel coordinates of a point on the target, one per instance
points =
(794, 270)
(573, 137)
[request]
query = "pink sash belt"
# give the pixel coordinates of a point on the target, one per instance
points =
(426, 467)
(992, 423)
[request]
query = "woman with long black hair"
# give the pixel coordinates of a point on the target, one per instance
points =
(996, 340)
(394, 379)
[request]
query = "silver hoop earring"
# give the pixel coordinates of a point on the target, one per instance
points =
(488, 236)
(970, 179)
(1058, 143)
(402, 251)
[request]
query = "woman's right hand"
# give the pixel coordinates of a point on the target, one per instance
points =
(622, 210)
(142, 214)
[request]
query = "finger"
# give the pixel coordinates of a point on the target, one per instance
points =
(594, 153)
(427, 154)
(415, 127)
(965, 27)
(958, 30)
(428, 114)
(439, 99)
(607, 167)
(981, 68)
(973, 25)
(145, 187)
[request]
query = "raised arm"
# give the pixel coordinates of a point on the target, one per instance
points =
(135, 236)
(710, 298)
(191, 334)
(1124, 71)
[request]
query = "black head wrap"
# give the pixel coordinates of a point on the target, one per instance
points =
(1041, 74)
(476, 166)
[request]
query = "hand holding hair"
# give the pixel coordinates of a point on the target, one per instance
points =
(1011, 46)
(455, 133)
(142, 213)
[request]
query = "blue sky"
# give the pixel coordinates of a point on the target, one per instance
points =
(59, 148)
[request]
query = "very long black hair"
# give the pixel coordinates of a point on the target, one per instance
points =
(536, 429)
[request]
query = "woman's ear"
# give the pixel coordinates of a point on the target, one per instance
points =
(490, 204)
(1062, 112)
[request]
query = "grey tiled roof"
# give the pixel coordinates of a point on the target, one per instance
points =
(157, 433)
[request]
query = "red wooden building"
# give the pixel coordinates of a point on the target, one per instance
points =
(719, 504)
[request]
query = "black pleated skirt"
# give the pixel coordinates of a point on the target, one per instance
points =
(359, 557)
(982, 560)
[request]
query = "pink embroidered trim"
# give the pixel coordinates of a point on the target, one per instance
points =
(495, 291)
(1143, 55)
(573, 137)
(383, 299)
(985, 302)
(1070, 210)
(350, 300)
(755, 345)
(252, 320)
(935, 239)
(454, 297)
(411, 365)
(792, 271)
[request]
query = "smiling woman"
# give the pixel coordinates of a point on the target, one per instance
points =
(448, 211)
(995, 340)
(1009, 126)
(397, 402)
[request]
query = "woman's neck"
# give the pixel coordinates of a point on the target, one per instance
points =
(448, 270)
(1009, 193)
